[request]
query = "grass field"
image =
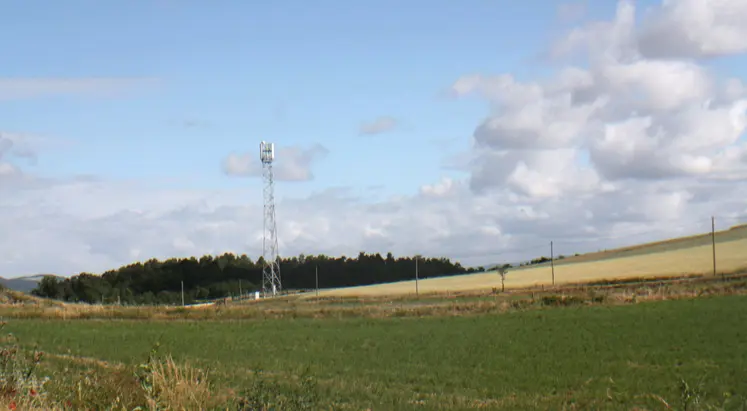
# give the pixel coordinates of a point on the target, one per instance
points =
(635, 343)
(585, 357)
(677, 257)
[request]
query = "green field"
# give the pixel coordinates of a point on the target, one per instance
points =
(584, 357)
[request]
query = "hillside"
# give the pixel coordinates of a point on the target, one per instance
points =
(670, 258)
(13, 298)
(734, 233)
(23, 284)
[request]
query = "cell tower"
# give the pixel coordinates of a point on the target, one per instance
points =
(271, 270)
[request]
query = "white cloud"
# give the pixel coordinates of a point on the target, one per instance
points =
(8, 170)
(380, 125)
(291, 164)
(634, 117)
(624, 146)
(551, 173)
(673, 29)
(695, 28)
(602, 40)
(92, 226)
(13, 147)
(443, 188)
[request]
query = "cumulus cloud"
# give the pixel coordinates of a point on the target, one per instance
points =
(694, 29)
(378, 126)
(291, 163)
(15, 146)
(633, 117)
(621, 146)
(443, 188)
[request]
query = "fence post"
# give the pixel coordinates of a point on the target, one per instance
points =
(552, 263)
(417, 291)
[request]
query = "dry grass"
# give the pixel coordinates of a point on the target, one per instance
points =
(28, 404)
(160, 384)
(481, 301)
(178, 387)
(17, 298)
(731, 257)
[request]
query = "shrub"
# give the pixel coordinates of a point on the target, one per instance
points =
(556, 300)
(157, 384)
(18, 380)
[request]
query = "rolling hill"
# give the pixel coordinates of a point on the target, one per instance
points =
(670, 258)
(23, 284)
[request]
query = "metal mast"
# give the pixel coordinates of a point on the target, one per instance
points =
(271, 270)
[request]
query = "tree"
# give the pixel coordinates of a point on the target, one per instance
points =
(160, 281)
(49, 286)
(503, 271)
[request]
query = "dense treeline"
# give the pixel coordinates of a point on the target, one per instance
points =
(227, 275)
(543, 259)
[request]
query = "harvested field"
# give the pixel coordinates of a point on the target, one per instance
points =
(731, 256)
(735, 233)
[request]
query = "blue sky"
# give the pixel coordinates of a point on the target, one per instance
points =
(188, 84)
(293, 72)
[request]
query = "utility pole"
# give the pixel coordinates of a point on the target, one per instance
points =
(241, 294)
(552, 263)
(417, 290)
(316, 276)
(713, 242)
(182, 293)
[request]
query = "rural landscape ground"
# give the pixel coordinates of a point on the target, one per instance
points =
(638, 328)
(456, 196)
(671, 258)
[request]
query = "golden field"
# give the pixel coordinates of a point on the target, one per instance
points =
(671, 258)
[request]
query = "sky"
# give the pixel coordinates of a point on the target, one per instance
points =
(478, 131)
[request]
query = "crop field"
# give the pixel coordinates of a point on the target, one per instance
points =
(738, 232)
(579, 357)
(462, 344)
(672, 258)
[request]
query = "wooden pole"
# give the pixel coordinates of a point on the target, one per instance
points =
(182, 293)
(713, 243)
(417, 291)
(552, 263)
(316, 275)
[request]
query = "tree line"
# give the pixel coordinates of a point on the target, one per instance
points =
(211, 277)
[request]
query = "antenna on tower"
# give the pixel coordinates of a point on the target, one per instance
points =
(271, 270)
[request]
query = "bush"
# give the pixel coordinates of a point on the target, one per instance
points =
(556, 300)
(19, 383)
